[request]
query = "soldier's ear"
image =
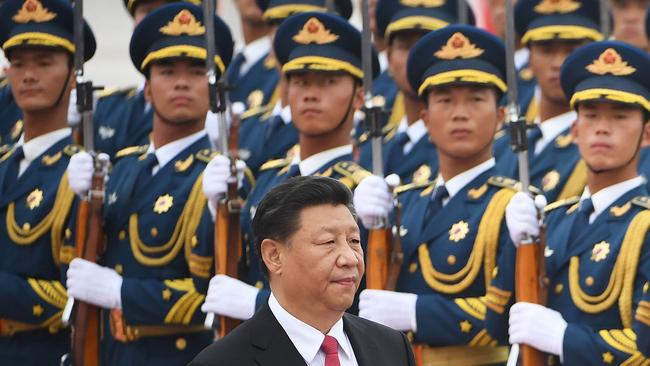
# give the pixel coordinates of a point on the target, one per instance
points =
(271, 252)
(574, 129)
(501, 117)
(646, 134)
(147, 91)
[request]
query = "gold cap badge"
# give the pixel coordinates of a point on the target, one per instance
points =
(458, 46)
(183, 23)
(557, 6)
(315, 32)
(33, 10)
(610, 62)
(423, 3)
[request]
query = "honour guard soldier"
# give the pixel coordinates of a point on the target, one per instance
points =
(551, 30)
(596, 259)
(154, 210)
(407, 148)
(452, 230)
(320, 55)
(123, 117)
(628, 21)
(35, 201)
(268, 133)
(252, 75)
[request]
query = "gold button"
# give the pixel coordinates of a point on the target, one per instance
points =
(121, 235)
(195, 241)
(413, 267)
(119, 269)
(546, 281)
(558, 288)
(589, 281)
(68, 233)
(495, 272)
(154, 231)
(645, 287)
(27, 226)
(259, 285)
(181, 343)
(451, 260)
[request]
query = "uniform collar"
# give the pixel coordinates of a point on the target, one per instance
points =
(553, 127)
(311, 165)
(169, 151)
(607, 196)
(415, 131)
(383, 60)
(306, 338)
(254, 51)
(284, 112)
(457, 183)
(38, 145)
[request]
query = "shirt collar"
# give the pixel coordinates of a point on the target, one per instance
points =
(311, 165)
(169, 151)
(304, 337)
(416, 130)
(383, 60)
(254, 51)
(607, 196)
(553, 127)
(455, 184)
(38, 145)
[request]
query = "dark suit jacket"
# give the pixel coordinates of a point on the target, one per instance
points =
(261, 341)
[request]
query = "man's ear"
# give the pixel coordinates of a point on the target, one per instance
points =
(574, 130)
(147, 91)
(501, 117)
(272, 255)
(358, 98)
(646, 134)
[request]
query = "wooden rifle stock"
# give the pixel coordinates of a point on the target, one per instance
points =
(385, 256)
(228, 244)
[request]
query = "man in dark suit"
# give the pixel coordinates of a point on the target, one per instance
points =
(309, 246)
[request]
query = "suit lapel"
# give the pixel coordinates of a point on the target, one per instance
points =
(271, 343)
(363, 344)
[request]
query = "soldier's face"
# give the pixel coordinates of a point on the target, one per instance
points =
(462, 120)
(629, 17)
(398, 53)
(146, 7)
(249, 10)
(320, 267)
(546, 59)
(178, 90)
(37, 78)
(319, 101)
(608, 135)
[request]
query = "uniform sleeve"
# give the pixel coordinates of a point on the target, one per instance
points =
(31, 300)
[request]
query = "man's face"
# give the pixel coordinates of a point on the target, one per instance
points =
(608, 134)
(319, 101)
(37, 77)
(322, 263)
(398, 53)
(629, 21)
(546, 59)
(249, 10)
(178, 90)
(146, 7)
(462, 120)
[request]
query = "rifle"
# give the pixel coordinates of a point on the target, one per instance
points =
(227, 238)
(89, 240)
(605, 24)
(380, 254)
(530, 259)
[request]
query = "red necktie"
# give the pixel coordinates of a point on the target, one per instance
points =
(331, 348)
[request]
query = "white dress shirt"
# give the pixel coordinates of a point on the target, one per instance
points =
(38, 145)
(169, 151)
(455, 184)
(311, 165)
(253, 52)
(416, 131)
(308, 339)
(552, 128)
(284, 112)
(606, 196)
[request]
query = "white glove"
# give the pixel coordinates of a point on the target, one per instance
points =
(74, 118)
(230, 297)
(392, 309)
(80, 173)
(94, 284)
(372, 201)
(522, 216)
(215, 178)
(537, 326)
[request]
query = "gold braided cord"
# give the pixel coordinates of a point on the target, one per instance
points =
(53, 222)
(185, 228)
(576, 182)
(621, 282)
(486, 243)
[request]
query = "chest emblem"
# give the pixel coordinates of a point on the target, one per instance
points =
(550, 180)
(600, 251)
(458, 231)
(34, 199)
(163, 204)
